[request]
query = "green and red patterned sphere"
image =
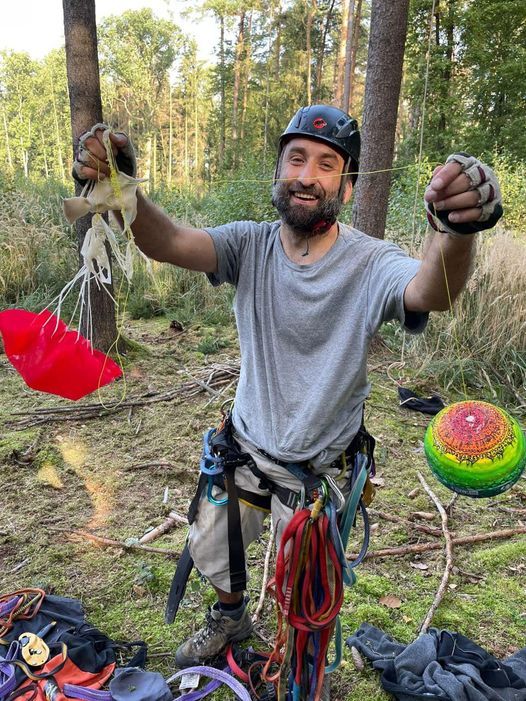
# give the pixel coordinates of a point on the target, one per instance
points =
(475, 448)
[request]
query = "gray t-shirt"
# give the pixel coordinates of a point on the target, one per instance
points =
(304, 333)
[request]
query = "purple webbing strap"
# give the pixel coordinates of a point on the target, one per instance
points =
(8, 681)
(7, 606)
(85, 694)
(220, 676)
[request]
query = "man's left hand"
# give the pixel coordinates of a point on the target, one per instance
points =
(463, 196)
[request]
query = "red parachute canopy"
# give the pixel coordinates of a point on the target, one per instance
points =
(51, 358)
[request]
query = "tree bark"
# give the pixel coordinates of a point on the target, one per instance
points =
(238, 68)
(448, 66)
(246, 78)
(348, 55)
(60, 159)
(340, 62)
(311, 9)
(354, 52)
(382, 91)
(222, 137)
(80, 32)
(170, 136)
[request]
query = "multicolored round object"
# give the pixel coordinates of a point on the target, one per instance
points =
(475, 448)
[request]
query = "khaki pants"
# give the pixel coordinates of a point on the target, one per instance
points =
(208, 536)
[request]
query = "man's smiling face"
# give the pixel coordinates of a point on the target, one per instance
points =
(306, 193)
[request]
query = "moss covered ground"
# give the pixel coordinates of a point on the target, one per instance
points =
(91, 475)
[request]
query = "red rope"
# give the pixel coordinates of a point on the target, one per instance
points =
(309, 591)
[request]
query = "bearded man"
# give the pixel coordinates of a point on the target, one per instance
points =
(311, 293)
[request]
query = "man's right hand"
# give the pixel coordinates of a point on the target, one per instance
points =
(155, 233)
(91, 159)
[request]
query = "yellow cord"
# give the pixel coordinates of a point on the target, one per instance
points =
(455, 334)
(318, 177)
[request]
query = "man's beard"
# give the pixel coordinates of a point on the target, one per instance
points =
(305, 220)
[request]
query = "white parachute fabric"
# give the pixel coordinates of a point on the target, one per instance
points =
(118, 192)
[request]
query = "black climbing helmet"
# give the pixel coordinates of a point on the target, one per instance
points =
(331, 125)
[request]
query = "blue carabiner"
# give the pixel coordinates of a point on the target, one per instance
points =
(211, 498)
(210, 464)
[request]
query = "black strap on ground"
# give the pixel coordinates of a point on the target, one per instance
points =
(178, 588)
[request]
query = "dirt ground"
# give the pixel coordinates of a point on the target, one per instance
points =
(117, 473)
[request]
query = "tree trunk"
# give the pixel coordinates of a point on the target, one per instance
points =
(382, 91)
(246, 78)
(154, 162)
(340, 62)
(147, 167)
(448, 67)
(57, 136)
(267, 89)
(354, 52)
(311, 9)
(44, 154)
(321, 54)
(277, 63)
(222, 138)
(7, 144)
(196, 130)
(80, 33)
(238, 68)
(186, 154)
(348, 54)
(170, 136)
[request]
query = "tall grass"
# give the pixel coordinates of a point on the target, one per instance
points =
(38, 255)
(481, 344)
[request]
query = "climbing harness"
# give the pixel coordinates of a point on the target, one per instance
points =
(311, 567)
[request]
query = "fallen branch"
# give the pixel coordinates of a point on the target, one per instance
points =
(108, 542)
(452, 503)
(268, 555)
(430, 530)
(217, 377)
(426, 547)
(449, 557)
(171, 521)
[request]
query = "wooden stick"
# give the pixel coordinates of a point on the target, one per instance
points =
(268, 555)
(430, 530)
(452, 502)
(171, 521)
(449, 557)
(217, 377)
(108, 542)
(426, 547)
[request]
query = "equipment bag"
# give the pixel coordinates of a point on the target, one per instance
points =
(48, 644)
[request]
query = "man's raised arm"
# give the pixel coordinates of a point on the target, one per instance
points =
(154, 231)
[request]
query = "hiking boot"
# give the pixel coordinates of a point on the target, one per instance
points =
(211, 640)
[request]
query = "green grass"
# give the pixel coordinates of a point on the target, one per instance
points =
(92, 479)
(102, 488)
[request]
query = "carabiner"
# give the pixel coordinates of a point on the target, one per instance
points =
(337, 492)
(211, 498)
